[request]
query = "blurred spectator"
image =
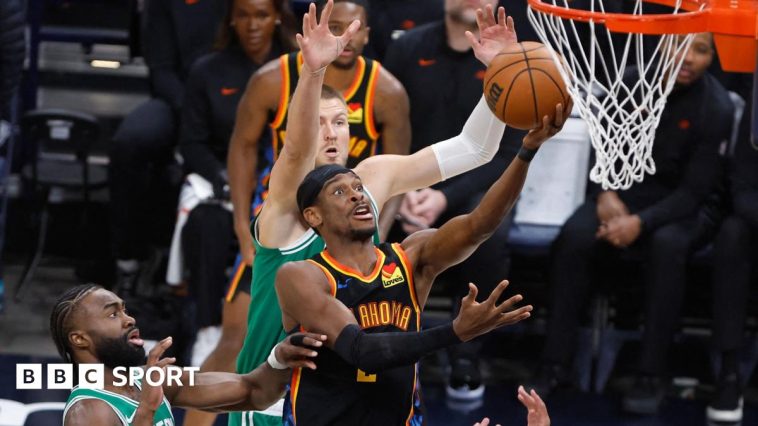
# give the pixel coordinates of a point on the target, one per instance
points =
(390, 19)
(176, 33)
(444, 82)
(12, 50)
(658, 221)
(735, 254)
(255, 32)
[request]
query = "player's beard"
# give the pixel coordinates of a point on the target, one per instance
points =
(118, 352)
(362, 234)
(345, 66)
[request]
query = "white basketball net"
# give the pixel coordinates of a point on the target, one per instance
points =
(622, 115)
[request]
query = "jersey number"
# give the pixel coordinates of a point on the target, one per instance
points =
(365, 378)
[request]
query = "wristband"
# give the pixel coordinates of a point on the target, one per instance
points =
(273, 362)
(527, 154)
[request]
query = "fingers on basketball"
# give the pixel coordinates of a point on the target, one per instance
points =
(523, 84)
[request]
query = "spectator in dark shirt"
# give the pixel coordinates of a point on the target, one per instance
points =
(257, 32)
(656, 221)
(735, 253)
(444, 82)
(176, 33)
(389, 19)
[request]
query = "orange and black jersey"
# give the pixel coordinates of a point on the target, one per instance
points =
(383, 301)
(364, 134)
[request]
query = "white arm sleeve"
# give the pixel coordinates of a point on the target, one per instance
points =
(476, 145)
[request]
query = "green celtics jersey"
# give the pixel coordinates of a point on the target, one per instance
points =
(125, 408)
(264, 318)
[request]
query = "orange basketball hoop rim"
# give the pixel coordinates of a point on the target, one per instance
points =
(734, 24)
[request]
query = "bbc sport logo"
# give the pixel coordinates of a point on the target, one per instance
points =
(92, 376)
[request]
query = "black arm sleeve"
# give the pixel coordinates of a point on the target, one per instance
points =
(162, 54)
(195, 132)
(11, 52)
(375, 352)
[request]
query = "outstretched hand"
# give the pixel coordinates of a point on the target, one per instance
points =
(475, 319)
(536, 409)
(317, 43)
(151, 396)
(494, 36)
(537, 136)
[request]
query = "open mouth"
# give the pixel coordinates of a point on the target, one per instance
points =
(332, 152)
(134, 338)
(363, 212)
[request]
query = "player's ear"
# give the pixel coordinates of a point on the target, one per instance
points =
(79, 339)
(312, 217)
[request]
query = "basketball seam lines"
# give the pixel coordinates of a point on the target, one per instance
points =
(537, 119)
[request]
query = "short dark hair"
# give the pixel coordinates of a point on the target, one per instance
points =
(60, 317)
(362, 3)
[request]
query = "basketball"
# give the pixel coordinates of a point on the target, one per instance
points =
(523, 84)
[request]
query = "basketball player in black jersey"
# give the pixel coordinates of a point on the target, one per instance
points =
(367, 299)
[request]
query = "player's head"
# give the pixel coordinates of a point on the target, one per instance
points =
(464, 11)
(332, 201)
(334, 130)
(90, 324)
(254, 24)
(343, 14)
(697, 59)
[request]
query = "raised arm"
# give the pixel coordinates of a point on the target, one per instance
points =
(314, 307)
(261, 96)
(298, 155)
(477, 143)
(431, 252)
(392, 112)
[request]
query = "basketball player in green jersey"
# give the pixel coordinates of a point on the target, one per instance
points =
(317, 134)
(368, 298)
(90, 325)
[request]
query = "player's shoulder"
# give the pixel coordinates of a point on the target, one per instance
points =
(90, 411)
(268, 72)
(388, 85)
(297, 268)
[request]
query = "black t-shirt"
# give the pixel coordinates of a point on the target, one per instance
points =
(694, 128)
(444, 86)
(176, 33)
(214, 88)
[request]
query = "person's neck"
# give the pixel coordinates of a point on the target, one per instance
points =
(357, 255)
(340, 78)
(260, 57)
(456, 34)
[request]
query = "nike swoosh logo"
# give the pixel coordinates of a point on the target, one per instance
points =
(426, 62)
(226, 91)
